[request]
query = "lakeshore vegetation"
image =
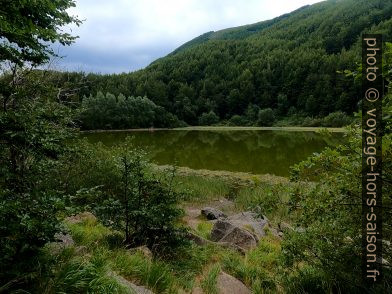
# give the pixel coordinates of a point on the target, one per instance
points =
(77, 217)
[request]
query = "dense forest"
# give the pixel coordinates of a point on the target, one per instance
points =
(78, 217)
(290, 64)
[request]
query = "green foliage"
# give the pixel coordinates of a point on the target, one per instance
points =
(111, 112)
(336, 119)
(204, 229)
(208, 119)
(33, 134)
(259, 268)
(121, 190)
(28, 27)
(288, 64)
(154, 274)
(34, 126)
(149, 207)
(329, 213)
(79, 275)
(209, 282)
(238, 120)
(266, 117)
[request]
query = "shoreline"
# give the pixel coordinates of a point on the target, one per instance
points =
(223, 174)
(222, 128)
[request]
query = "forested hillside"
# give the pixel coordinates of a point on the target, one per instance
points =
(289, 64)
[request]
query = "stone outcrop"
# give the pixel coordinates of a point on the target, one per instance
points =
(227, 284)
(131, 286)
(212, 213)
(250, 221)
(226, 232)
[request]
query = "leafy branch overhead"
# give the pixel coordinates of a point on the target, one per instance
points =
(28, 28)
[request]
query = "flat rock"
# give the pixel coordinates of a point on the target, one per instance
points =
(131, 286)
(226, 232)
(212, 213)
(241, 238)
(250, 221)
(220, 229)
(227, 284)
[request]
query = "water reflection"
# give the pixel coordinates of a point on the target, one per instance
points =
(257, 152)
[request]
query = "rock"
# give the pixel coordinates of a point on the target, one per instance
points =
(202, 242)
(61, 242)
(300, 230)
(65, 239)
(212, 213)
(143, 250)
(191, 217)
(227, 284)
(220, 229)
(131, 286)
(197, 239)
(250, 221)
(241, 238)
(197, 290)
(285, 227)
(225, 231)
(81, 217)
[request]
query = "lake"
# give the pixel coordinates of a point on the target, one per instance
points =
(253, 151)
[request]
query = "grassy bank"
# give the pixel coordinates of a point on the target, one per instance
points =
(225, 128)
(290, 129)
(99, 262)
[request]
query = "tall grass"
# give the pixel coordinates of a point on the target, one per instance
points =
(201, 189)
(210, 279)
(156, 275)
(259, 268)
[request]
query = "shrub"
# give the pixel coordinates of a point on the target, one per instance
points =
(311, 122)
(238, 120)
(143, 207)
(266, 117)
(336, 119)
(207, 119)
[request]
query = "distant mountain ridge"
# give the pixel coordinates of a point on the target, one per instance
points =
(236, 33)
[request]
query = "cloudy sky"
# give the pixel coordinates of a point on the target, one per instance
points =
(126, 35)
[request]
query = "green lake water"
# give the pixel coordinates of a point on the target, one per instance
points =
(253, 151)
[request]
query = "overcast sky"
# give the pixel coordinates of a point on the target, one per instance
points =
(126, 35)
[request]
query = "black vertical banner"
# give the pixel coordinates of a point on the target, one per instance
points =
(372, 87)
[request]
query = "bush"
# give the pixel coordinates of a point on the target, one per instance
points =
(266, 117)
(132, 200)
(111, 112)
(328, 222)
(207, 119)
(238, 120)
(336, 119)
(311, 122)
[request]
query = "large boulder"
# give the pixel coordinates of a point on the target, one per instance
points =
(133, 288)
(226, 232)
(212, 213)
(227, 284)
(250, 221)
